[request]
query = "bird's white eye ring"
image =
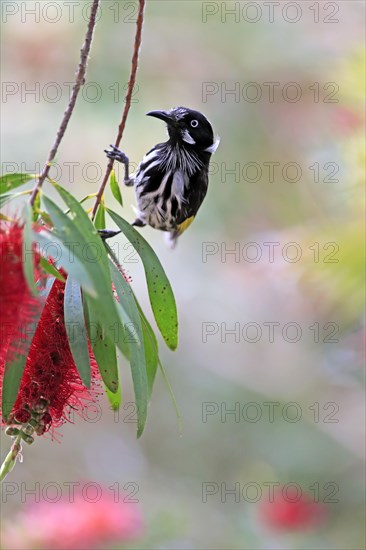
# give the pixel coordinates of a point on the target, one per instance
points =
(194, 123)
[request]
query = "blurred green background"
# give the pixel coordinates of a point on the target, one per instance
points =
(191, 48)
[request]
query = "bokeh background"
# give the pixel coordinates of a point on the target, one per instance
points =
(316, 435)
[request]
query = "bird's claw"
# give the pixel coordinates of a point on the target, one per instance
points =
(107, 233)
(138, 223)
(116, 154)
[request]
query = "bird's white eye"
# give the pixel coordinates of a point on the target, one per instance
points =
(194, 123)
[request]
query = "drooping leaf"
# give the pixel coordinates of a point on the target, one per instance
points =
(151, 348)
(51, 245)
(116, 191)
(12, 377)
(104, 348)
(80, 232)
(36, 207)
(89, 237)
(88, 247)
(11, 181)
(136, 346)
(124, 348)
(50, 269)
(99, 221)
(75, 329)
(86, 198)
(115, 399)
(28, 252)
(159, 288)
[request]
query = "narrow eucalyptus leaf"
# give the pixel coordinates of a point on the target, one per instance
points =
(104, 348)
(160, 291)
(11, 181)
(135, 340)
(76, 330)
(28, 252)
(116, 191)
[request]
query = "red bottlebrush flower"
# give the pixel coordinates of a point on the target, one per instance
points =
(291, 510)
(51, 383)
(18, 306)
(76, 523)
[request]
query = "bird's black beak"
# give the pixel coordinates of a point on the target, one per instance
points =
(163, 115)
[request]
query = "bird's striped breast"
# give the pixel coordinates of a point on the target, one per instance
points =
(170, 186)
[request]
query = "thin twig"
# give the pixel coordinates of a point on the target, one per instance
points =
(131, 84)
(80, 80)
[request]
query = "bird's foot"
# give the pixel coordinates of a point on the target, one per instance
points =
(120, 156)
(116, 154)
(107, 233)
(138, 223)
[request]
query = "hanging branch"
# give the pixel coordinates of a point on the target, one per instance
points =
(131, 84)
(80, 80)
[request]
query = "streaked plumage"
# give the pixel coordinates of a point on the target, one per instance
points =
(172, 179)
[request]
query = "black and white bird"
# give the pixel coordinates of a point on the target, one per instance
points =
(172, 179)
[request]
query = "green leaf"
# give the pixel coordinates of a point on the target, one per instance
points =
(103, 347)
(12, 378)
(136, 346)
(28, 252)
(36, 207)
(11, 181)
(51, 269)
(75, 328)
(115, 399)
(85, 244)
(81, 233)
(81, 227)
(160, 292)
(14, 369)
(99, 221)
(50, 244)
(116, 191)
(83, 224)
(151, 348)
(86, 198)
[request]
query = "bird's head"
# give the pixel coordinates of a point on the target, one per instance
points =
(188, 128)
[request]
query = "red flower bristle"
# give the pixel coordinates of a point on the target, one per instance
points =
(51, 384)
(19, 307)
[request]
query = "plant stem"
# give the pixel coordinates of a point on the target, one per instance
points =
(79, 81)
(11, 458)
(131, 84)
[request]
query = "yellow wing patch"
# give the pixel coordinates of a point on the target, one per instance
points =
(184, 225)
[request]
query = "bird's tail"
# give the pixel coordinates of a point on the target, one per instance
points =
(171, 239)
